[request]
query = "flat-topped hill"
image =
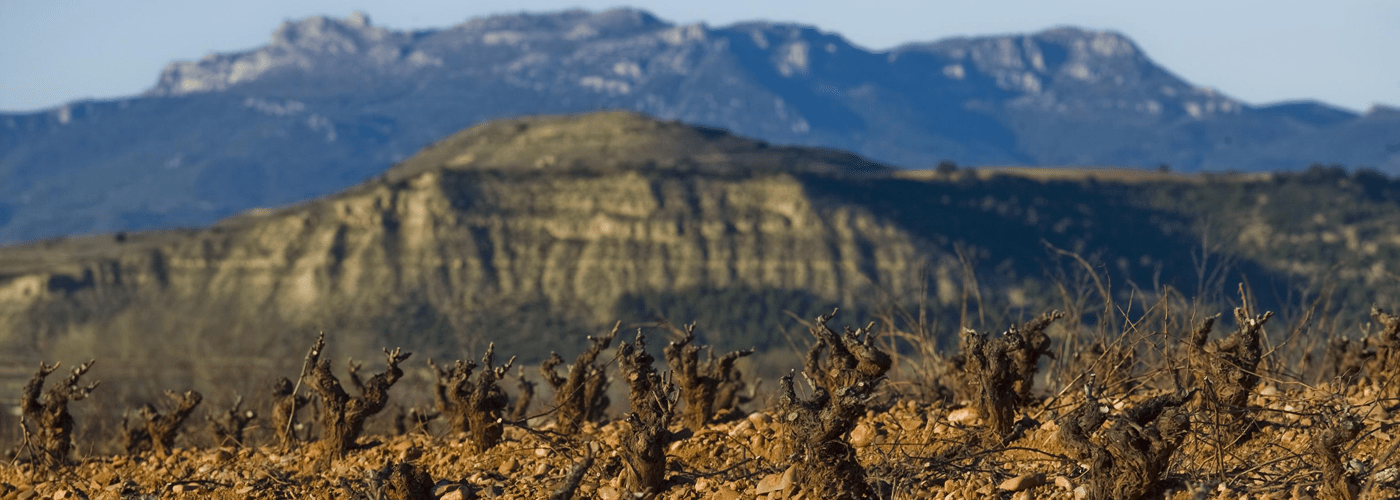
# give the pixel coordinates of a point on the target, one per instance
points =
(620, 139)
(531, 232)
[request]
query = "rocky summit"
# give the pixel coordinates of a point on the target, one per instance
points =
(532, 232)
(328, 103)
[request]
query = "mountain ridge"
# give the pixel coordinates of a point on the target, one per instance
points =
(330, 102)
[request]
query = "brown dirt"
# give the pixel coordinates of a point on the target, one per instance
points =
(910, 450)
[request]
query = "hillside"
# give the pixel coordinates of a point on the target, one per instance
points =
(532, 232)
(328, 103)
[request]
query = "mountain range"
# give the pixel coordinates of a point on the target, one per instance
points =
(532, 232)
(328, 103)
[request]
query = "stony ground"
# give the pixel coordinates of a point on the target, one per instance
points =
(910, 451)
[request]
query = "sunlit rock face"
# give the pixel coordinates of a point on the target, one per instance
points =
(556, 219)
(1069, 70)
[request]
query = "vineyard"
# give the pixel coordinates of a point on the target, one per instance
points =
(1166, 402)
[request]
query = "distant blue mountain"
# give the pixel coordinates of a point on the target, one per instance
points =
(330, 102)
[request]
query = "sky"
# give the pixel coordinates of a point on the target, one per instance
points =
(1342, 52)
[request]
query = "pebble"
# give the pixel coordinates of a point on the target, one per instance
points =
(508, 466)
(742, 428)
(1022, 482)
(776, 482)
(726, 493)
(609, 493)
(962, 416)
(1387, 475)
(757, 442)
(444, 486)
(1063, 483)
(863, 435)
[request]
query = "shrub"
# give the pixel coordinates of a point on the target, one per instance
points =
(1002, 370)
(285, 405)
(580, 397)
(343, 417)
(852, 360)
(1372, 359)
(158, 431)
(815, 430)
(646, 437)
(473, 406)
(1335, 432)
(521, 411)
(47, 425)
(707, 388)
(1228, 368)
(1137, 447)
(228, 425)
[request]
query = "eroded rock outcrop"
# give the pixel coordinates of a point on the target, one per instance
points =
(561, 215)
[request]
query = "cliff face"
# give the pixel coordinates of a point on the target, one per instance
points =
(578, 241)
(447, 248)
(532, 232)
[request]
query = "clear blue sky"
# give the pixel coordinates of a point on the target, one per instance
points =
(1344, 52)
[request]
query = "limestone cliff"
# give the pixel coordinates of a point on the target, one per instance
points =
(553, 216)
(531, 232)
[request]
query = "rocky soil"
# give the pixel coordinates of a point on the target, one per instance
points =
(910, 450)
